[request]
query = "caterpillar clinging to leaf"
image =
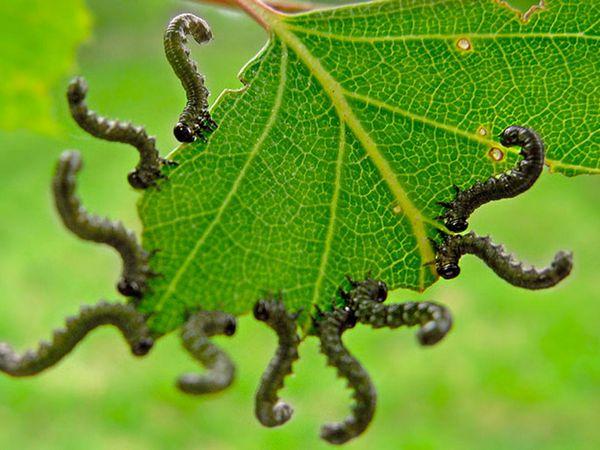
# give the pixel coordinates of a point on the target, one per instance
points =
(504, 264)
(334, 245)
(363, 303)
(136, 270)
(148, 170)
(195, 120)
(506, 185)
(270, 410)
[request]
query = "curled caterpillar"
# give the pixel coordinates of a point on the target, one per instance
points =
(98, 229)
(329, 327)
(449, 253)
(195, 337)
(195, 120)
(130, 323)
(507, 185)
(366, 298)
(148, 170)
(270, 410)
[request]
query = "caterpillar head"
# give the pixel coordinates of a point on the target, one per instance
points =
(261, 311)
(456, 224)
(183, 133)
(448, 271)
(512, 136)
(230, 326)
(130, 288)
(370, 289)
(142, 347)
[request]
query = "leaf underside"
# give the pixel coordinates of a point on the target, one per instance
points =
(353, 123)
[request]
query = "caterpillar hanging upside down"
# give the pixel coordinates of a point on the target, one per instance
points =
(363, 302)
(507, 185)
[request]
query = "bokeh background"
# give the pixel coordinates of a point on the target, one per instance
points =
(520, 370)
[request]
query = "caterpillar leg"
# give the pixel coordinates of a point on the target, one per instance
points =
(196, 335)
(148, 170)
(329, 327)
(270, 410)
(124, 317)
(507, 185)
(195, 120)
(449, 254)
(366, 299)
(98, 229)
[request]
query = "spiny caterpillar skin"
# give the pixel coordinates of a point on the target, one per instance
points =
(148, 169)
(364, 304)
(124, 317)
(329, 328)
(366, 298)
(194, 121)
(507, 185)
(98, 229)
(449, 253)
(195, 336)
(270, 410)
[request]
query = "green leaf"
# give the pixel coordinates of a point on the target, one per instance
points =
(34, 61)
(353, 123)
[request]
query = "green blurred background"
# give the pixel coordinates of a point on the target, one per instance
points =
(520, 370)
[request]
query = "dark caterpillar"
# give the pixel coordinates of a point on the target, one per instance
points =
(124, 317)
(98, 229)
(364, 304)
(194, 121)
(148, 169)
(195, 336)
(366, 298)
(507, 185)
(329, 327)
(449, 253)
(270, 410)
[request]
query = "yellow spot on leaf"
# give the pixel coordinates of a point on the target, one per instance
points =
(464, 44)
(496, 154)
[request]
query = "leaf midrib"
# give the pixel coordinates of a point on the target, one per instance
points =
(346, 114)
(438, 36)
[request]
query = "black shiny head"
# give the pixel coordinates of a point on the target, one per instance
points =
(510, 136)
(230, 326)
(448, 271)
(375, 290)
(142, 347)
(350, 320)
(183, 133)
(135, 180)
(382, 292)
(457, 225)
(130, 288)
(261, 311)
